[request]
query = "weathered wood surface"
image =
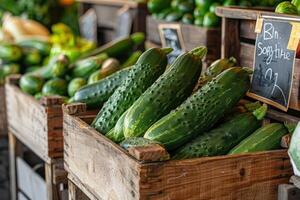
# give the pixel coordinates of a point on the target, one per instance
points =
(288, 192)
(238, 40)
(103, 170)
(75, 193)
(3, 123)
(37, 124)
(193, 36)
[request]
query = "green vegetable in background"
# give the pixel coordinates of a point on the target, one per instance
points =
(211, 20)
(31, 84)
(56, 86)
(75, 85)
(286, 7)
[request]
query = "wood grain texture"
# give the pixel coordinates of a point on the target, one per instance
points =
(3, 123)
(103, 170)
(75, 193)
(38, 126)
(131, 4)
(193, 36)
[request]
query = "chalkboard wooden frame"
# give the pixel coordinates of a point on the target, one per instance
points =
(176, 27)
(264, 99)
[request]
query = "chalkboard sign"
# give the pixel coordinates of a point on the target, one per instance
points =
(273, 63)
(124, 22)
(88, 25)
(171, 36)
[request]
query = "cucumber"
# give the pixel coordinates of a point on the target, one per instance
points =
(75, 85)
(118, 47)
(94, 95)
(216, 68)
(202, 110)
(32, 57)
(142, 75)
(10, 52)
(84, 68)
(116, 134)
(60, 66)
(10, 68)
(137, 142)
(31, 84)
(168, 92)
(56, 86)
(264, 139)
(221, 140)
(42, 46)
(133, 58)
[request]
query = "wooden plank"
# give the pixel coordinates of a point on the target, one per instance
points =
(3, 123)
(103, 170)
(52, 189)
(246, 59)
(288, 192)
(243, 13)
(38, 126)
(12, 165)
(295, 180)
(75, 193)
(131, 4)
(230, 38)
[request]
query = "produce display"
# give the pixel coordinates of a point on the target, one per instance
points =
(197, 12)
(289, 7)
(189, 115)
(58, 68)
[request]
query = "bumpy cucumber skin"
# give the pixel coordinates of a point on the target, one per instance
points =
(142, 75)
(220, 140)
(116, 134)
(264, 139)
(202, 110)
(168, 92)
(96, 94)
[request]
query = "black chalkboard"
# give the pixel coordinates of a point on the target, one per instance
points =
(273, 64)
(171, 36)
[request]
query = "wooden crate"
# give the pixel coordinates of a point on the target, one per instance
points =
(3, 124)
(107, 10)
(38, 124)
(193, 36)
(238, 40)
(103, 170)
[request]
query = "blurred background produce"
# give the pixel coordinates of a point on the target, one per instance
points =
(198, 12)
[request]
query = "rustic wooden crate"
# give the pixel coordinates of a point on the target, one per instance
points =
(103, 170)
(238, 40)
(38, 124)
(107, 10)
(193, 36)
(3, 124)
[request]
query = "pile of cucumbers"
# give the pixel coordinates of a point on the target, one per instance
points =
(189, 114)
(59, 76)
(289, 7)
(198, 12)
(22, 57)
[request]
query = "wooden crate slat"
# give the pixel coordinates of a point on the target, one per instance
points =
(3, 123)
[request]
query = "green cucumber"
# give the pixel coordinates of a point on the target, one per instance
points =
(10, 68)
(56, 86)
(264, 139)
(137, 142)
(42, 46)
(60, 66)
(31, 84)
(32, 57)
(85, 67)
(118, 47)
(216, 68)
(133, 58)
(221, 140)
(116, 134)
(96, 94)
(75, 85)
(168, 92)
(10, 52)
(148, 68)
(202, 110)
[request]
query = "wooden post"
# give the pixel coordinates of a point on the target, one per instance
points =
(75, 193)
(15, 150)
(230, 38)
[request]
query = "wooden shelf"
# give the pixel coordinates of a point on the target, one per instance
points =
(131, 4)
